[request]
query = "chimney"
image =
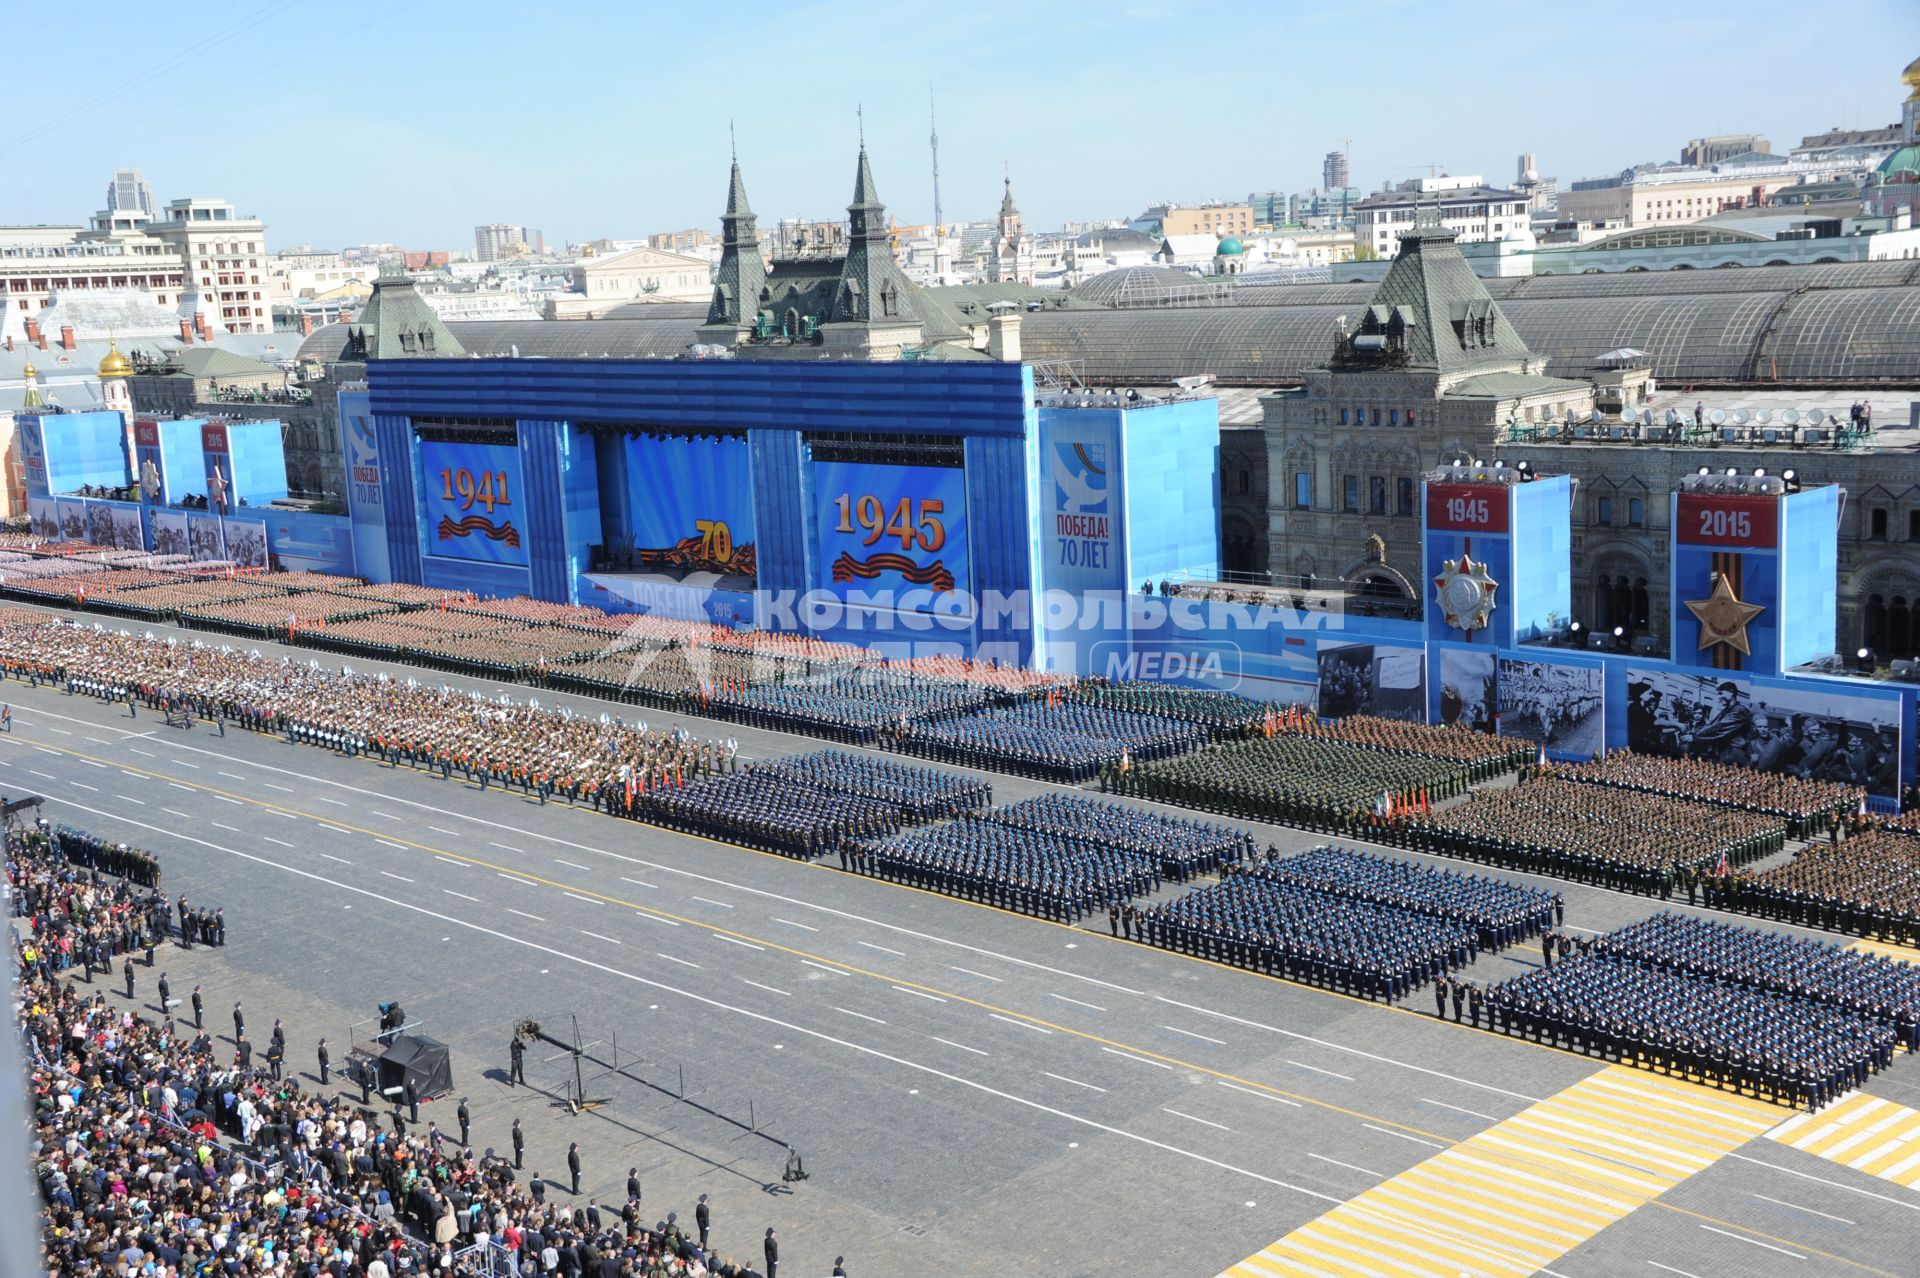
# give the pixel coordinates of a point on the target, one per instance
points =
(9, 343)
(1003, 337)
(186, 332)
(200, 323)
(66, 338)
(306, 324)
(33, 332)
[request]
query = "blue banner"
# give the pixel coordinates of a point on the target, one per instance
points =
(692, 503)
(468, 502)
(366, 505)
(1081, 544)
(899, 531)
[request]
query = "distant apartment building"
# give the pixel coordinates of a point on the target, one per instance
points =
(1703, 152)
(1466, 205)
(498, 241)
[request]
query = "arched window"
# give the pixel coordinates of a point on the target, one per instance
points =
(1873, 631)
(1899, 629)
(1642, 607)
(1622, 603)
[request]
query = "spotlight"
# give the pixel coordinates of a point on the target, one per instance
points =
(1789, 475)
(1704, 471)
(1731, 471)
(1864, 661)
(1759, 472)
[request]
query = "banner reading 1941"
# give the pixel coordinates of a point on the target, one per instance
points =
(473, 503)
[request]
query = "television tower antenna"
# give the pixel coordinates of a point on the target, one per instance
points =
(935, 141)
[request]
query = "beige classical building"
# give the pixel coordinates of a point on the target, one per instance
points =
(641, 274)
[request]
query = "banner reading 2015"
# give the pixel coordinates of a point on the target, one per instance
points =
(892, 530)
(473, 508)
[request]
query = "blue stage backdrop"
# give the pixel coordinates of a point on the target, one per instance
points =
(898, 530)
(692, 504)
(469, 504)
(366, 508)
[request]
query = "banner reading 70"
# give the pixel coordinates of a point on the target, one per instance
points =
(891, 530)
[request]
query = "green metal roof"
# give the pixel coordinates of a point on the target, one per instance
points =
(1448, 304)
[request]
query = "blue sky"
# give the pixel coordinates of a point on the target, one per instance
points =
(412, 120)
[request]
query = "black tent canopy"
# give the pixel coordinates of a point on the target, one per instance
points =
(422, 1059)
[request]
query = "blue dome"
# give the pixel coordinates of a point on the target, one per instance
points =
(1229, 247)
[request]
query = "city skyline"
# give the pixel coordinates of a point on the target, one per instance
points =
(412, 98)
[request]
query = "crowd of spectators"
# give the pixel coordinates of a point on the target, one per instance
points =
(1808, 807)
(1293, 779)
(1620, 839)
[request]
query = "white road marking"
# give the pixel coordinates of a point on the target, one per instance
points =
(221, 825)
(1755, 1241)
(748, 1013)
(1349, 1166)
(82, 785)
(970, 972)
(837, 971)
(335, 802)
(1387, 1131)
(282, 842)
(655, 918)
(385, 815)
(224, 799)
(671, 959)
(1141, 1059)
(62, 731)
(1192, 1119)
(437, 830)
(176, 785)
(710, 901)
(91, 763)
(1076, 1002)
(919, 994)
(1342, 1047)
(1266, 1096)
(1852, 1189)
(805, 927)
(636, 882)
(277, 812)
(590, 900)
(596, 936)
(962, 1046)
(48, 775)
(98, 741)
(1076, 1082)
(734, 940)
(575, 865)
(284, 789)
(1456, 1109)
(390, 843)
(883, 949)
(523, 914)
(1218, 1042)
(862, 1015)
(1038, 1029)
(144, 753)
(1781, 1202)
(182, 763)
(1670, 1269)
(768, 988)
(341, 859)
(233, 776)
(137, 776)
(337, 829)
(1316, 1069)
(390, 874)
(462, 895)
(176, 812)
(449, 860)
